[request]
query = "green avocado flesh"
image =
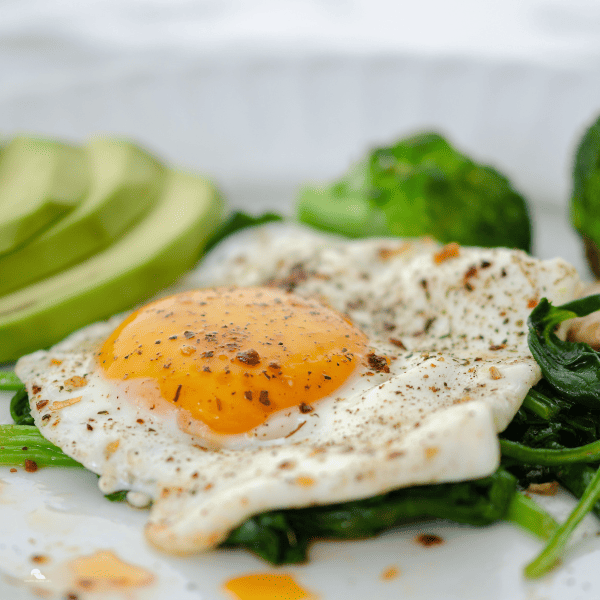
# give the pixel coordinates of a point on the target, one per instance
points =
(40, 181)
(149, 257)
(125, 182)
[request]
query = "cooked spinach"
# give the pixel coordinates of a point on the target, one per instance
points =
(537, 449)
(20, 411)
(283, 536)
(572, 369)
(550, 555)
(22, 443)
(119, 496)
(237, 221)
(9, 382)
(555, 435)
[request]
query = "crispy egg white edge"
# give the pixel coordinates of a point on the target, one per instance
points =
(361, 446)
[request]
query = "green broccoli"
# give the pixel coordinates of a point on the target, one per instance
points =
(421, 186)
(585, 199)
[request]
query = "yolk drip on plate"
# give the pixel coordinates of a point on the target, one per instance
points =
(233, 356)
(266, 586)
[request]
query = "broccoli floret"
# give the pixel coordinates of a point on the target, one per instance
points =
(585, 199)
(421, 186)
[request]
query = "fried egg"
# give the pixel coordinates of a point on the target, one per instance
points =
(295, 368)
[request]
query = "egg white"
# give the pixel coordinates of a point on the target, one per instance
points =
(455, 331)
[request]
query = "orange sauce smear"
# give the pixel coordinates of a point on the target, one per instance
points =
(103, 571)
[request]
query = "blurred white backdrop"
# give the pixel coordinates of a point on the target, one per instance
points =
(542, 30)
(265, 94)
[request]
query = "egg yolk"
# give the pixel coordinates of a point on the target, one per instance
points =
(233, 356)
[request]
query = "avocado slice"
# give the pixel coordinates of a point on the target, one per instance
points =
(125, 182)
(149, 257)
(40, 181)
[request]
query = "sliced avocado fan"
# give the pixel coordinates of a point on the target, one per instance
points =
(125, 183)
(40, 181)
(149, 257)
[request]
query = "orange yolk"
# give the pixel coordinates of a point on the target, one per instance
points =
(233, 356)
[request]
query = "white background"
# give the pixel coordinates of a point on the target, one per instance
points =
(265, 94)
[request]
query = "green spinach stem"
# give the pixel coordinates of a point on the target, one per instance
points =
(550, 555)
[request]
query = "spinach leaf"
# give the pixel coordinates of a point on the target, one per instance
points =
(20, 411)
(572, 369)
(20, 443)
(237, 221)
(119, 496)
(9, 382)
(272, 537)
(555, 438)
(283, 536)
(577, 478)
(551, 457)
(550, 555)
(549, 430)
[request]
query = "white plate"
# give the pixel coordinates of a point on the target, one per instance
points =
(260, 127)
